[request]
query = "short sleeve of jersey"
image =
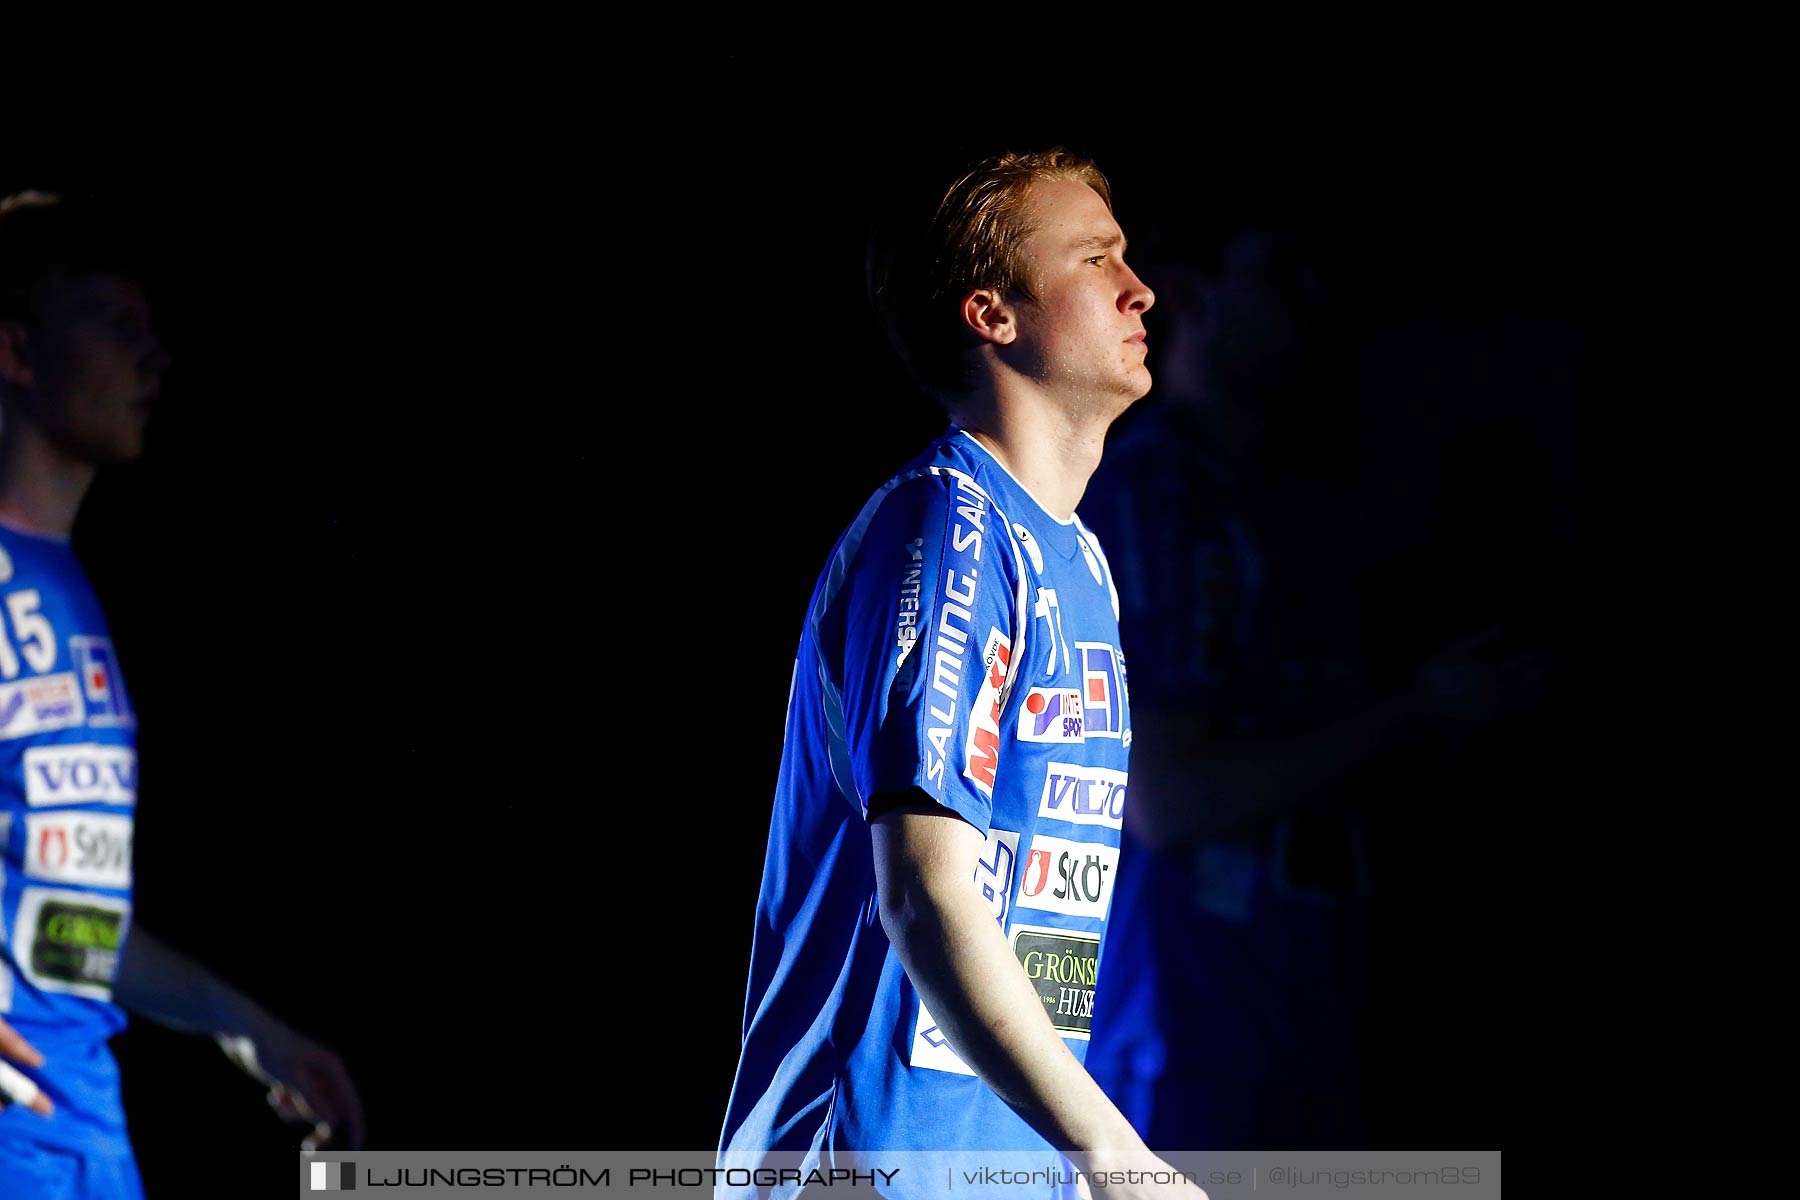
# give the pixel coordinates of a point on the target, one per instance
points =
(919, 642)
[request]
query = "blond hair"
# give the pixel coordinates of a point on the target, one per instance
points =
(974, 239)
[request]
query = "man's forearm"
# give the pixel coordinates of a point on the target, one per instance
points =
(957, 958)
(157, 981)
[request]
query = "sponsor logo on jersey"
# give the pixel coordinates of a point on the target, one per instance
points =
(1051, 715)
(906, 627)
(1083, 795)
(1062, 967)
(67, 941)
(101, 685)
(1100, 698)
(982, 751)
(955, 624)
(88, 848)
(43, 703)
(994, 871)
(1071, 878)
(81, 773)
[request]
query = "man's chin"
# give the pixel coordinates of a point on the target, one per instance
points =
(1134, 394)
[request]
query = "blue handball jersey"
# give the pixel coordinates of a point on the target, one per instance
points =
(68, 788)
(962, 642)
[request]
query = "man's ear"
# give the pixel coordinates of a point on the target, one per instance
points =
(988, 315)
(15, 354)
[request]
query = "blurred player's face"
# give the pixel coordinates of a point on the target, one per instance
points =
(1084, 338)
(96, 367)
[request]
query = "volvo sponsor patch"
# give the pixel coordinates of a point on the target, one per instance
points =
(1062, 967)
(1084, 795)
(1051, 715)
(1068, 877)
(88, 848)
(67, 941)
(80, 773)
(39, 704)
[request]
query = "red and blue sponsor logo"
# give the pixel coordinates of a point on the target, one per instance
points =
(1102, 700)
(1051, 715)
(101, 685)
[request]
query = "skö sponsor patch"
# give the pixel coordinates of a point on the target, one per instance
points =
(1084, 795)
(81, 773)
(1051, 715)
(1072, 878)
(43, 703)
(88, 848)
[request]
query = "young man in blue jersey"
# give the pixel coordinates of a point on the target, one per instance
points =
(947, 818)
(79, 368)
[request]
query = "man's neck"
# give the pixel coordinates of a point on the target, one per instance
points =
(1052, 453)
(41, 488)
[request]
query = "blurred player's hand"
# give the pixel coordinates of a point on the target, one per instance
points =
(307, 1083)
(15, 1087)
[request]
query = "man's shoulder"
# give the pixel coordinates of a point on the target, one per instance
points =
(943, 480)
(949, 461)
(938, 509)
(34, 561)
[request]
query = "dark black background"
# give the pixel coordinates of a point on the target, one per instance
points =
(459, 588)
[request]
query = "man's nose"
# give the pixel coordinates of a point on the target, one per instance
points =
(1138, 297)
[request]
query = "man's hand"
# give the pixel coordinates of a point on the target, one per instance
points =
(307, 1083)
(1119, 1167)
(15, 1087)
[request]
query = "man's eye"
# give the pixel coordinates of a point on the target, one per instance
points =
(1098, 258)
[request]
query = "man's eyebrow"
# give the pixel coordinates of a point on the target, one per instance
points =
(1101, 241)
